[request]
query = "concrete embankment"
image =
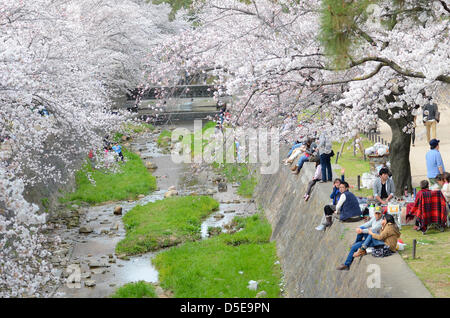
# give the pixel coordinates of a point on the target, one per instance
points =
(309, 257)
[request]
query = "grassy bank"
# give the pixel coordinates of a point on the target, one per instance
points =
(164, 223)
(239, 173)
(132, 180)
(223, 265)
(433, 264)
(133, 129)
(139, 289)
(164, 138)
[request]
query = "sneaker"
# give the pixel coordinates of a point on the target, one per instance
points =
(294, 168)
(306, 197)
(321, 227)
(342, 267)
(296, 172)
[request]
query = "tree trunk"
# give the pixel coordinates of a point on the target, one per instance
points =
(399, 149)
(399, 157)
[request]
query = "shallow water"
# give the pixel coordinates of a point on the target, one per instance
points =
(98, 247)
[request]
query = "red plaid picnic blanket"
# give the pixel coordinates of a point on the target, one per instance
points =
(430, 208)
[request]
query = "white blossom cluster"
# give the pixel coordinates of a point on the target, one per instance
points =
(268, 56)
(24, 265)
(63, 63)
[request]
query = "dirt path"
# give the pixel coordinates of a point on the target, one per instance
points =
(418, 152)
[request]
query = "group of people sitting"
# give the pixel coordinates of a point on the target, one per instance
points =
(308, 150)
(380, 231)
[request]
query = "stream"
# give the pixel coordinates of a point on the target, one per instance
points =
(92, 255)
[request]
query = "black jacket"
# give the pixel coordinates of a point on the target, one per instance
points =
(429, 112)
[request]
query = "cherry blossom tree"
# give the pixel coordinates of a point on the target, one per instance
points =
(341, 65)
(62, 63)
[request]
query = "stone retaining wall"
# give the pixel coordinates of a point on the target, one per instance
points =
(309, 257)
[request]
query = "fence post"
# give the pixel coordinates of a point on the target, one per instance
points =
(337, 157)
(414, 249)
(359, 182)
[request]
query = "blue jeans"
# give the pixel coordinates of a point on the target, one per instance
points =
(301, 161)
(292, 149)
(361, 237)
(371, 242)
(354, 248)
(325, 163)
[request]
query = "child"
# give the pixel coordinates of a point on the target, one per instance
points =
(317, 177)
(118, 149)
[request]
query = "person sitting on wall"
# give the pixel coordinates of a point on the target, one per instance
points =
(317, 177)
(389, 236)
(311, 148)
(297, 144)
(335, 193)
(363, 238)
(347, 208)
(334, 196)
(383, 187)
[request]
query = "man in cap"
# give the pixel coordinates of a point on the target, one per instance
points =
(363, 239)
(433, 158)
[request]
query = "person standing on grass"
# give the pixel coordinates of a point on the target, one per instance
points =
(325, 149)
(118, 149)
(433, 158)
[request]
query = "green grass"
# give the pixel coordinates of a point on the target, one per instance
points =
(433, 264)
(132, 180)
(210, 268)
(139, 289)
(164, 223)
(133, 128)
(166, 135)
(164, 138)
(240, 173)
